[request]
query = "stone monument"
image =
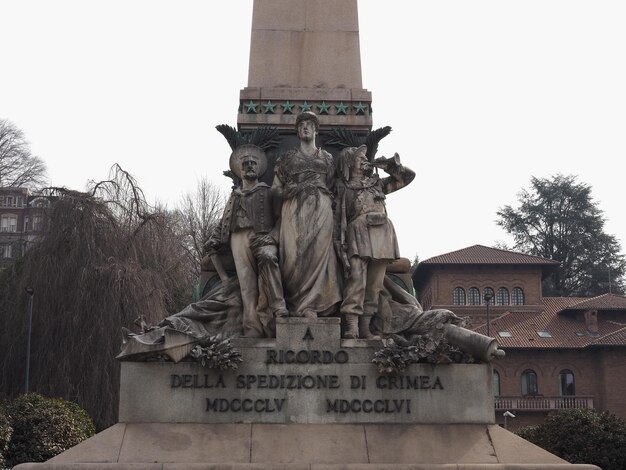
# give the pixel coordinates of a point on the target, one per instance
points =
(307, 350)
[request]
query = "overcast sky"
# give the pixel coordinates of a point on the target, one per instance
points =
(481, 95)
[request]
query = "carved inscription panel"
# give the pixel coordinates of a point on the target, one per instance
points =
(284, 385)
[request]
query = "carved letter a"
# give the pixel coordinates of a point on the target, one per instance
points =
(308, 335)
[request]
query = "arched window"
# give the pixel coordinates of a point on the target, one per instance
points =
(458, 296)
(8, 223)
(566, 383)
(488, 291)
(474, 296)
(496, 383)
(503, 296)
(529, 382)
(517, 296)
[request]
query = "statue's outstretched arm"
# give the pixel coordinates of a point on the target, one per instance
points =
(399, 175)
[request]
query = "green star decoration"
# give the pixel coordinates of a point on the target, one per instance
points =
(287, 107)
(305, 107)
(269, 107)
(323, 107)
(250, 106)
(360, 108)
(341, 108)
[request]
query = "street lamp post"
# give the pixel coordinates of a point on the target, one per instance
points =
(507, 414)
(31, 293)
(488, 296)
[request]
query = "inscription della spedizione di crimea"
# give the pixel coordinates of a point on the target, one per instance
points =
(335, 392)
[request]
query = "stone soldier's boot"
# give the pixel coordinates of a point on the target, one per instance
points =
(351, 326)
(364, 327)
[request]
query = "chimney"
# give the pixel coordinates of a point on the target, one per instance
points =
(591, 321)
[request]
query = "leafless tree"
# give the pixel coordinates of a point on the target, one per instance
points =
(199, 212)
(18, 166)
(106, 259)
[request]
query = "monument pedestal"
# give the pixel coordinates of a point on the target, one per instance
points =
(309, 400)
(307, 375)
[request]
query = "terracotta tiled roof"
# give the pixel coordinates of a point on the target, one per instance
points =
(617, 338)
(563, 331)
(556, 304)
(601, 302)
(507, 321)
(479, 254)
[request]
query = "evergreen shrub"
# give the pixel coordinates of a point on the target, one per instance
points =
(582, 436)
(44, 427)
(5, 434)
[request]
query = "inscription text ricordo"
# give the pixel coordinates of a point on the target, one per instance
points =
(346, 385)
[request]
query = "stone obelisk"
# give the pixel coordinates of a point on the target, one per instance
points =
(305, 56)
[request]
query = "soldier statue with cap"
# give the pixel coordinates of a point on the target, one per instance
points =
(364, 236)
(248, 227)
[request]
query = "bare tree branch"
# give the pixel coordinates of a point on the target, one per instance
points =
(198, 213)
(18, 166)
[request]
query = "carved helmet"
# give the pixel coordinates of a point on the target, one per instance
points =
(347, 158)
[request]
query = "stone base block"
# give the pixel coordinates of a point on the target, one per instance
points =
(307, 375)
(311, 447)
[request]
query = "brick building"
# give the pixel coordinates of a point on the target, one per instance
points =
(561, 352)
(23, 216)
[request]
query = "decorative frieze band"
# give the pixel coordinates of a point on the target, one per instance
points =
(323, 107)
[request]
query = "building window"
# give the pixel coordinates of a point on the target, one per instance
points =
(8, 223)
(5, 251)
(474, 296)
(37, 225)
(496, 384)
(517, 296)
(503, 296)
(458, 296)
(8, 201)
(566, 383)
(529, 382)
(20, 201)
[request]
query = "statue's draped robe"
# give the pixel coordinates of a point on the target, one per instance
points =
(402, 314)
(218, 312)
(308, 263)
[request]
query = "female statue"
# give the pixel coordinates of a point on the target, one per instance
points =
(304, 177)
